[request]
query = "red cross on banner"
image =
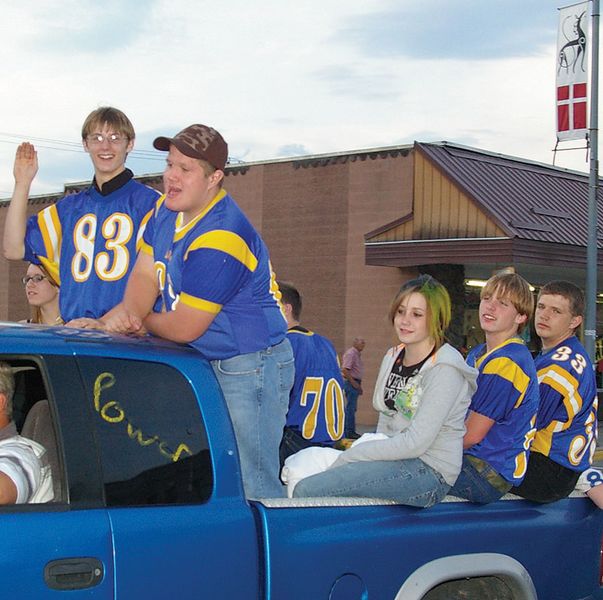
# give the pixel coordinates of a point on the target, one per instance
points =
(571, 107)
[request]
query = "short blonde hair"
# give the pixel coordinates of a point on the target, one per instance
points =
(112, 117)
(515, 289)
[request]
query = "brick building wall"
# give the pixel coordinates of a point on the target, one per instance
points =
(313, 214)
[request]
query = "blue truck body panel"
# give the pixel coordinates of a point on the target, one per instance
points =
(224, 546)
(383, 545)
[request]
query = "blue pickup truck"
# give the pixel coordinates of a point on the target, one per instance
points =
(149, 502)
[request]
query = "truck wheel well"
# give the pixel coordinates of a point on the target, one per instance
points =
(474, 588)
(485, 576)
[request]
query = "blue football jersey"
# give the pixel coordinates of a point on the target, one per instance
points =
(316, 405)
(567, 417)
(88, 242)
(217, 263)
(507, 393)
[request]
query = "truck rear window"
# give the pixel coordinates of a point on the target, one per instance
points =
(149, 431)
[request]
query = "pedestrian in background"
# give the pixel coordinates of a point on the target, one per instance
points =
(352, 370)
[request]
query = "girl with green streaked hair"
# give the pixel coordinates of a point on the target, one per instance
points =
(422, 394)
(437, 301)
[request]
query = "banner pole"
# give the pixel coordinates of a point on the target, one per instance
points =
(590, 324)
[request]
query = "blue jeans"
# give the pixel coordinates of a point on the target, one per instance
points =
(256, 389)
(351, 402)
(475, 484)
(408, 481)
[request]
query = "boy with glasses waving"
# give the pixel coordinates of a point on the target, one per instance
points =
(87, 241)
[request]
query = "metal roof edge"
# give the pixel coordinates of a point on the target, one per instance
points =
(505, 157)
(436, 240)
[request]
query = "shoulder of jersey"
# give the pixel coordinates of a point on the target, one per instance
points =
(302, 333)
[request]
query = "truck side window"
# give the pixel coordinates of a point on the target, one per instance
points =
(149, 431)
(34, 420)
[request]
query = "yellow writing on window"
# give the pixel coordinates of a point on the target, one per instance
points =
(112, 412)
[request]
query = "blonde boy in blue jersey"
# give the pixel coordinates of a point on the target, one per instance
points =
(316, 406)
(87, 241)
(500, 424)
(566, 426)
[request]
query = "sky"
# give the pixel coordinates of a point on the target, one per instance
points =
(279, 79)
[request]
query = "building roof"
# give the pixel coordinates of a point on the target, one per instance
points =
(528, 200)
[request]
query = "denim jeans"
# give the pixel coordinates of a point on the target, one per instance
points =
(474, 485)
(351, 402)
(408, 481)
(256, 389)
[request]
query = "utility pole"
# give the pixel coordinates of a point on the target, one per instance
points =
(590, 324)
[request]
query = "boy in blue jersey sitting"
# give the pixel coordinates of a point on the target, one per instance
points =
(203, 277)
(566, 426)
(87, 241)
(316, 405)
(500, 425)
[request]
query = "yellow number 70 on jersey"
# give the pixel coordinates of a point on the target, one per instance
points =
(334, 409)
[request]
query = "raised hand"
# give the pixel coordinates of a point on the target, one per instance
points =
(26, 163)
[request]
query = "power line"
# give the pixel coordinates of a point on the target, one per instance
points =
(65, 146)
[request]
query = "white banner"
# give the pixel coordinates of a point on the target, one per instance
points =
(573, 49)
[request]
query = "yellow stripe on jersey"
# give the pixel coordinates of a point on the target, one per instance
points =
(159, 203)
(563, 382)
(308, 333)
(483, 357)
(567, 386)
(182, 230)
(52, 233)
(275, 292)
(228, 242)
(543, 440)
(141, 228)
(521, 465)
(200, 304)
(509, 370)
(145, 248)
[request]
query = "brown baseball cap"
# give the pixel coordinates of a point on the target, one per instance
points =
(198, 141)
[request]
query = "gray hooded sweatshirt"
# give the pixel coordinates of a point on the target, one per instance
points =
(442, 392)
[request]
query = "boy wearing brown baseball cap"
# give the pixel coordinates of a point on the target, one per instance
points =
(203, 277)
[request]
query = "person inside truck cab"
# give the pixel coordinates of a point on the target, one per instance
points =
(501, 421)
(422, 393)
(203, 277)
(24, 473)
(566, 437)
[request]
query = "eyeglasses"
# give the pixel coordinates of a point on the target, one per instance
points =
(95, 139)
(33, 279)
